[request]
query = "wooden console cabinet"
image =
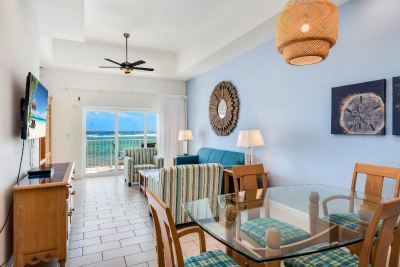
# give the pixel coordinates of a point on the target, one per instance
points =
(42, 210)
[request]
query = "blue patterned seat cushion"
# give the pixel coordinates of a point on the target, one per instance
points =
(256, 230)
(329, 258)
(348, 220)
(212, 258)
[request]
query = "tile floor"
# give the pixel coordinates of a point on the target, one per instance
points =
(111, 227)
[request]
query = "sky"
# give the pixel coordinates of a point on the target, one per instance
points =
(128, 121)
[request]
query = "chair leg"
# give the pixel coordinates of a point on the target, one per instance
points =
(129, 184)
(395, 249)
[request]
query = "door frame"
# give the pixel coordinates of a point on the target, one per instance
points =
(116, 112)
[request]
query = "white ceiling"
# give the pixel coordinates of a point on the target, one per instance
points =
(173, 25)
(180, 38)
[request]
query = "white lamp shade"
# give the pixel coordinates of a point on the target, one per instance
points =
(250, 138)
(185, 135)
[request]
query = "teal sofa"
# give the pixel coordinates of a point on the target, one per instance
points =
(206, 155)
(210, 155)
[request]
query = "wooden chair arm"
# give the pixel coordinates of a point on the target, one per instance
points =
(194, 229)
(326, 200)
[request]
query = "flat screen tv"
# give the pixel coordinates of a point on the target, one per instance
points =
(34, 109)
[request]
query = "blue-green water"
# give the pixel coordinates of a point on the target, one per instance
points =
(39, 120)
(100, 146)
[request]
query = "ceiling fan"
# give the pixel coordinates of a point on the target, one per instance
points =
(126, 67)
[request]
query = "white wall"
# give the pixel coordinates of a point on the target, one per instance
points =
(95, 90)
(19, 55)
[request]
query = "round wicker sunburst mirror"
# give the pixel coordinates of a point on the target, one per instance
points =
(223, 110)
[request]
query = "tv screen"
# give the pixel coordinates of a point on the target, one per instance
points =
(34, 108)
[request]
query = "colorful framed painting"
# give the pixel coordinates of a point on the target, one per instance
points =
(359, 109)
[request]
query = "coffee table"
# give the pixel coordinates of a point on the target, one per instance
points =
(143, 178)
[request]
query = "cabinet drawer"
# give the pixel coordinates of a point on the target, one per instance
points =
(34, 258)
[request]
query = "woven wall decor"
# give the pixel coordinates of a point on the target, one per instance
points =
(224, 91)
(306, 30)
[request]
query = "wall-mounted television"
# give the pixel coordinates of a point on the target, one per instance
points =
(34, 109)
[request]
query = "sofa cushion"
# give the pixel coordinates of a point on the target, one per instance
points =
(223, 157)
(204, 155)
(232, 158)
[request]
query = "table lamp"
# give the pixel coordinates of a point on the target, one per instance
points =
(185, 135)
(250, 139)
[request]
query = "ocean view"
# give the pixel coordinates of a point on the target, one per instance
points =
(100, 145)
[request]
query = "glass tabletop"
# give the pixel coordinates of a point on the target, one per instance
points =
(284, 222)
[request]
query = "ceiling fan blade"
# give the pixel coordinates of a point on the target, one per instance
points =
(147, 69)
(109, 67)
(112, 61)
(137, 63)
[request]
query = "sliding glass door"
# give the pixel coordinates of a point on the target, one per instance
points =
(109, 132)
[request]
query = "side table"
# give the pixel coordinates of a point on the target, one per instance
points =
(143, 178)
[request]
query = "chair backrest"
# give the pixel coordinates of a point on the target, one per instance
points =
(189, 183)
(141, 155)
(375, 177)
(387, 212)
(166, 234)
(247, 176)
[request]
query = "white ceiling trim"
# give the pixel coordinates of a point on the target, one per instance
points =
(198, 35)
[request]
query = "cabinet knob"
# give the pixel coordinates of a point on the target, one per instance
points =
(73, 193)
(69, 186)
(69, 213)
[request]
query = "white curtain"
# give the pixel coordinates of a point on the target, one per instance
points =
(172, 117)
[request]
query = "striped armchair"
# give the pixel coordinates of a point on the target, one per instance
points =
(178, 184)
(137, 159)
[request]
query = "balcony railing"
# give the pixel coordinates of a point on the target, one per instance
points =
(100, 153)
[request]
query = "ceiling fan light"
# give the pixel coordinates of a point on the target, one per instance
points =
(126, 70)
(306, 30)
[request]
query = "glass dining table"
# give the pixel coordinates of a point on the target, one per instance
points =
(284, 222)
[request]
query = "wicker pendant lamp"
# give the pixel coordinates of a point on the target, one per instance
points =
(306, 30)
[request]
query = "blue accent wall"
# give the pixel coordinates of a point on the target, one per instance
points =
(292, 105)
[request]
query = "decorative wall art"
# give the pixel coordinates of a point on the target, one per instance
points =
(396, 106)
(359, 109)
(223, 110)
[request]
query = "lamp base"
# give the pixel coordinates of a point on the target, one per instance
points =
(247, 159)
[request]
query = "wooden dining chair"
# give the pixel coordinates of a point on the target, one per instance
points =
(387, 215)
(169, 250)
(375, 176)
(254, 230)
(245, 177)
